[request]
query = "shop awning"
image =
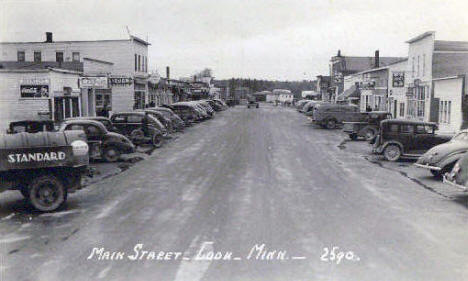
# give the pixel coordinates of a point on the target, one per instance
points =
(352, 92)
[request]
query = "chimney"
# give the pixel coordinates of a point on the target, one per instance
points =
(168, 73)
(377, 59)
(339, 53)
(48, 37)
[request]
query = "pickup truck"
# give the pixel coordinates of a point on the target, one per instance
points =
(43, 166)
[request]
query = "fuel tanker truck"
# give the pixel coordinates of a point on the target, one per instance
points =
(43, 166)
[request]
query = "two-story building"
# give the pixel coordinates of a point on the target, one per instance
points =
(341, 66)
(436, 81)
(129, 58)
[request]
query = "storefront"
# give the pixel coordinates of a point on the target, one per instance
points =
(38, 94)
(96, 95)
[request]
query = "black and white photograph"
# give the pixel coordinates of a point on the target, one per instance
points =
(230, 140)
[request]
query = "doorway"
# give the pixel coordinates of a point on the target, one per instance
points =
(66, 107)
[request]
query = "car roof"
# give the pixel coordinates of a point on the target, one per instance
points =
(129, 113)
(84, 121)
(31, 121)
(408, 122)
(88, 118)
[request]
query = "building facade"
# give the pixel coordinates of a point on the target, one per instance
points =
(128, 56)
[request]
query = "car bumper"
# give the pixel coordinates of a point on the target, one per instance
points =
(453, 184)
(428, 167)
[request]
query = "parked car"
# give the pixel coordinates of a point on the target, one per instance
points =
(205, 106)
(403, 138)
(104, 120)
(44, 166)
(187, 112)
(214, 105)
(139, 127)
(458, 177)
(441, 158)
(102, 143)
(222, 103)
(31, 126)
(300, 104)
(365, 124)
(329, 115)
(166, 122)
(177, 122)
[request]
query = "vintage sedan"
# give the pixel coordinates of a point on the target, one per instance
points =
(458, 177)
(102, 143)
(140, 128)
(441, 158)
(403, 138)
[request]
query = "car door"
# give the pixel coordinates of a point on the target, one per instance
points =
(134, 122)
(405, 137)
(423, 139)
(95, 136)
(119, 121)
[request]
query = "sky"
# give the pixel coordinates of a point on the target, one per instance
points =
(262, 39)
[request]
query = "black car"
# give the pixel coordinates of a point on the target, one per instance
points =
(177, 123)
(166, 122)
(403, 138)
(104, 120)
(31, 126)
(187, 112)
(139, 127)
(102, 143)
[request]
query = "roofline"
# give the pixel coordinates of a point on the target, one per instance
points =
(71, 41)
(100, 61)
(421, 36)
(449, 77)
(140, 40)
(44, 70)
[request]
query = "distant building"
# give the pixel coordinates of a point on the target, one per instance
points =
(341, 66)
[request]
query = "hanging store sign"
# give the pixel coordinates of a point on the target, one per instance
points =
(93, 82)
(34, 91)
(398, 79)
(119, 81)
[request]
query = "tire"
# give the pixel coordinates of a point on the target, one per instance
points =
(392, 152)
(370, 134)
(111, 154)
(331, 124)
(46, 193)
(353, 136)
(156, 141)
(436, 173)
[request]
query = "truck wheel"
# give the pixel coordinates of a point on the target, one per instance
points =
(111, 154)
(46, 193)
(392, 152)
(353, 136)
(157, 141)
(331, 124)
(369, 134)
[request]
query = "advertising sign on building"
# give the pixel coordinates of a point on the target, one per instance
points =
(398, 79)
(120, 81)
(93, 82)
(34, 91)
